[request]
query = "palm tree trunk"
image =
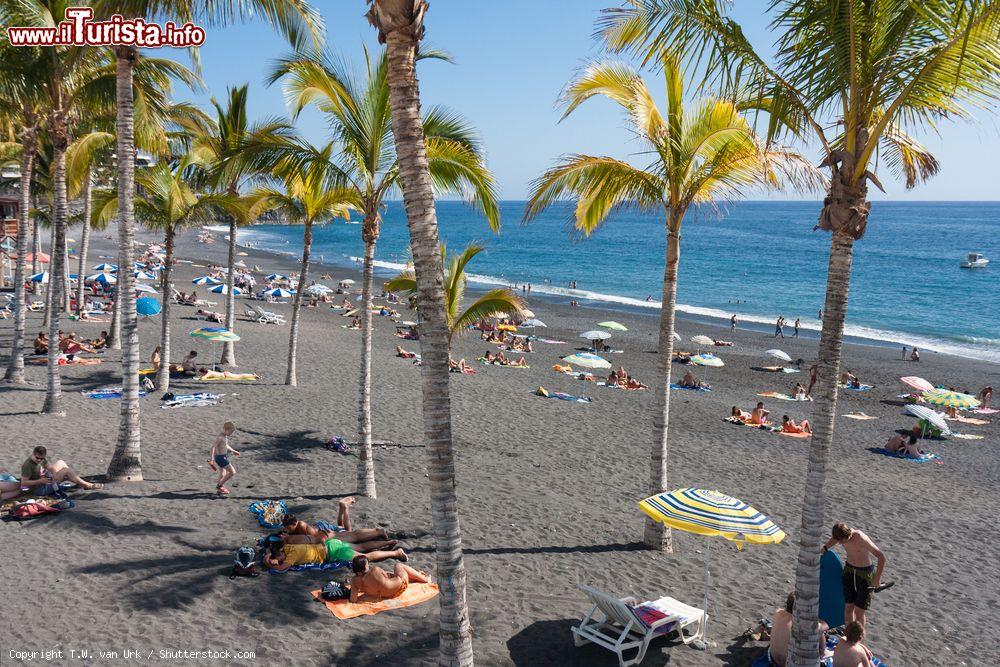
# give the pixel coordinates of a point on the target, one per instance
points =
(805, 631)
(47, 315)
(15, 366)
(366, 463)
(228, 348)
(402, 33)
(166, 289)
(81, 266)
(126, 464)
(36, 244)
(655, 534)
(116, 320)
(293, 336)
(57, 259)
(67, 292)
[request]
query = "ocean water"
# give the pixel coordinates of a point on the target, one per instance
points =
(756, 259)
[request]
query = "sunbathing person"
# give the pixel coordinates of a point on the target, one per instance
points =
(291, 525)
(799, 392)
(905, 446)
(101, 342)
(790, 426)
(632, 383)
(188, 364)
(70, 346)
(206, 374)
(346, 304)
(742, 415)
(759, 415)
(689, 380)
(781, 632)
(211, 315)
(502, 359)
(324, 548)
(38, 472)
(403, 354)
(374, 583)
(41, 344)
(682, 357)
(155, 359)
(722, 343)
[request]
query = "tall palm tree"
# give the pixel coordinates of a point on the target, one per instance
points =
(698, 155)
(358, 113)
(296, 19)
(309, 195)
(82, 160)
(871, 73)
(400, 25)
(493, 303)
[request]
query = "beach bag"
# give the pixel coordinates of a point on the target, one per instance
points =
(245, 563)
(337, 444)
(334, 590)
(31, 510)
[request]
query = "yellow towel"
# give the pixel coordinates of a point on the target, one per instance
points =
(414, 594)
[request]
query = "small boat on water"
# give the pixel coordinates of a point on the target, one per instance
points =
(974, 260)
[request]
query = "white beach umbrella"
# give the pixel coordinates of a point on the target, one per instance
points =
(206, 280)
(528, 324)
(145, 288)
(594, 334)
(101, 278)
(778, 354)
(702, 340)
(106, 267)
(346, 281)
(144, 275)
(318, 289)
(527, 313)
(936, 419)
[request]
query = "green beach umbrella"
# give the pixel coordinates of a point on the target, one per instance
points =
(216, 334)
(614, 326)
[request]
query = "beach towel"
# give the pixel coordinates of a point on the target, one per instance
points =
(107, 392)
(677, 386)
(864, 387)
(860, 416)
(489, 363)
(414, 594)
(269, 513)
(967, 436)
(545, 393)
(233, 377)
(549, 341)
(335, 565)
(987, 411)
(779, 396)
(968, 420)
(766, 426)
(794, 435)
(775, 369)
(192, 400)
(885, 452)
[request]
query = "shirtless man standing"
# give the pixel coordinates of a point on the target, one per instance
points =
(375, 583)
(860, 577)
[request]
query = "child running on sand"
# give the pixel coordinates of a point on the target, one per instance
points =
(219, 457)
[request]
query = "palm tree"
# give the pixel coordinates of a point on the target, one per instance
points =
(309, 196)
(358, 113)
(296, 19)
(872, 73)
(500, 302)
(400, 26)
(82, 160)
(699, 155)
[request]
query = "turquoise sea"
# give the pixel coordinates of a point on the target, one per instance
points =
(757, 259)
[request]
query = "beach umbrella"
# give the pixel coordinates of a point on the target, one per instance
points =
(101, 279)
(216, 334)
(702, 340)
(224, 289)
(587, 360)
(278, 293)
(711, 514)
(144, 275)
(206, 280)
(41, 278)
(950, 399)
(533, 323)
(240, 264)
(276, 276)
(594, 334)
(707, 360)
(106, 267)
(41, 258)
(677, 337)
(148, 306)
(145, 288)
(935, 419)
(611, 324)
(917, 383)
(527, 313)
(318, 289)
(73, 278)
(778, 354)
(346, 281)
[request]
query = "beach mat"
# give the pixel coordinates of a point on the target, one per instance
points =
(795, 435)
(562, 396)
(968, 420)
(987, 411)
(774, 369)
(677, 386)
(335, 565)
(968, 436)
(413, 595)
(860, 416)
(885, 452)
(779, 396)
(864, 387)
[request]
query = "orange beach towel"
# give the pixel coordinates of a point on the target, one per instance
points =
(414, 594)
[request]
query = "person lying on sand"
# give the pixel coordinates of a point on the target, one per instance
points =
(206, 374)
(292, 525)
(759, 415)
(781, 632)
(459, 366)
(682, 357)
(404, 354)
(373, 582)
(210, 315)
(790, 426)
(851, 652)
(37, 472)
(346, 304)
(742, 415)
(324, 548)
(689, 380)
(722, 343)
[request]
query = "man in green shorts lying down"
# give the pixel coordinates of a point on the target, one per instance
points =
(326, 548)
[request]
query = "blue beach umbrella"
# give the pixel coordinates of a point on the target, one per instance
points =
(106, 267)
(224, 289)
(206, 280)
(101, 279)
(276, 276)
(42, 278)
(144, 275)
(278, 293)
(148, 306)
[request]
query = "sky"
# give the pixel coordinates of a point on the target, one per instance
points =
(512, 60)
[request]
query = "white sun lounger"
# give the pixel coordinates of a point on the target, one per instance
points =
(257, 314)
(613, 624)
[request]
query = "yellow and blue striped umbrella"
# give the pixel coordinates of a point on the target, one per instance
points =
(950, 399)
(712, 513)
(215, 333)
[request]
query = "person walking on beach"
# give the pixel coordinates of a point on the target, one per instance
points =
(218, 458)
(777, 327)
(732, 323)
(795, 331)
(861, 577)
(904, 353)
(812, 380)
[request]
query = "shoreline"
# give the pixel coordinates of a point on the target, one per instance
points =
(610, 303)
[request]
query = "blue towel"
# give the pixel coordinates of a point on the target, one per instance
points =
(567, 397)
(326, 525)
(677, 386)
(336, 565)
(885, 452)
(256, 508)
(864, 387)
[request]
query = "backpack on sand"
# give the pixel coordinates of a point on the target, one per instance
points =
(245, 563)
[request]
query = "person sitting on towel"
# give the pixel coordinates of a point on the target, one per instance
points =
(904, 445)
(781, 632)
(759, 415)
(790, 426)
(188, 364)
(101, 342)
(851, 652)
(41, 344)
(799, 392)
(373, 583)
(689, 380)
(403, 354)
(324, 548)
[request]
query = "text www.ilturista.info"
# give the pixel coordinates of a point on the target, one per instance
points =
(79, 30)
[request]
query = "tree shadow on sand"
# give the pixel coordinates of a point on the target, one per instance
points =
(285, 447)
(387, 646)
(741, 653)
(579, 549)
(100, 525)
(198, 494)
